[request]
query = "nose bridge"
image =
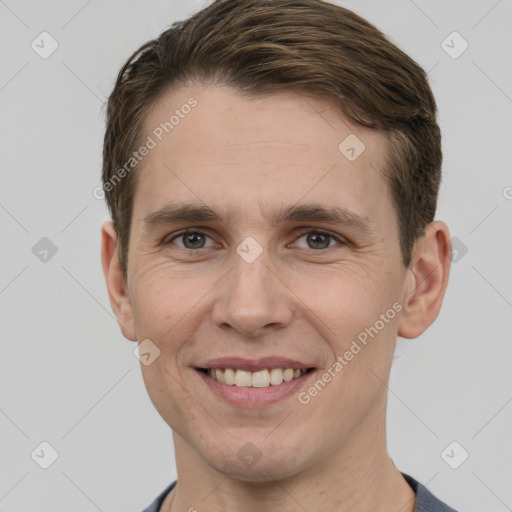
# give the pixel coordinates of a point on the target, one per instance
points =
(252, 297)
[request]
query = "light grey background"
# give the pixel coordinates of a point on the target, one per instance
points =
(68, 377)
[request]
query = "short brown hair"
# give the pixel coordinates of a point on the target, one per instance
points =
(265, 46)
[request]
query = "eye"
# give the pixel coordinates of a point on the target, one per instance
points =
(315, 240)
(190, 239)
(318, 240)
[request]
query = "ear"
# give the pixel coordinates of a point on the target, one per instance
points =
(426, 281)
(116, 282)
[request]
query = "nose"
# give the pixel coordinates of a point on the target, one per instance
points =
(253, 299)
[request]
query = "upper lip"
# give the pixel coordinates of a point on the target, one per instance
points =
(253, 365)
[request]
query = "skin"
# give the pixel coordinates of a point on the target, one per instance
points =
(301, 298)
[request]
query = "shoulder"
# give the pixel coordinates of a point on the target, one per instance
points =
(155, 506)
(425, 500)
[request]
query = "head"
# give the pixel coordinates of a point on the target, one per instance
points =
(300, 147)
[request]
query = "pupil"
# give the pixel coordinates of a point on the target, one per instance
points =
(193, 238)
(312, 238)
(196, 240)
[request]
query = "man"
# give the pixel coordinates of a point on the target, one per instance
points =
(272, 170)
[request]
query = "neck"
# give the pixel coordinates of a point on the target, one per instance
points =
(360, 477)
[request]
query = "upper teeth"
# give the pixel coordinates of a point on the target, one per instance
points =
(259, 379)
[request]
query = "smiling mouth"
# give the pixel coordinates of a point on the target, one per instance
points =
(258, 379)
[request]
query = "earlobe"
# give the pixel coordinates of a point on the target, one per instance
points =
(426, 280)
(116, 281)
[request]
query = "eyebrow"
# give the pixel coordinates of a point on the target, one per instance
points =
(173, 213)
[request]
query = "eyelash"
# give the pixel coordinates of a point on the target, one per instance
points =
(339, 240)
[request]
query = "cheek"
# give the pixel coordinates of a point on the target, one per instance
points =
(169, 396)
(165, 302)
(167, 311)
(344, 303)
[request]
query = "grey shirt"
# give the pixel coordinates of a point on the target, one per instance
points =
(425, 500)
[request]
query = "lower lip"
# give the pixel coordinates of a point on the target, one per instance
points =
(254, 397)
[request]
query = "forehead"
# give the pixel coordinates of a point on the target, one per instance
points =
(215, 145)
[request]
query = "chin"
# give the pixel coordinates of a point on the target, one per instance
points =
(261, 472)
(257, 459)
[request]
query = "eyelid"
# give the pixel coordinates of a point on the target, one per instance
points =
(200, 231)
(305, 231)
(341, 240)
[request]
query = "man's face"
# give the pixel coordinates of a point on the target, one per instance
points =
(301, 289)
